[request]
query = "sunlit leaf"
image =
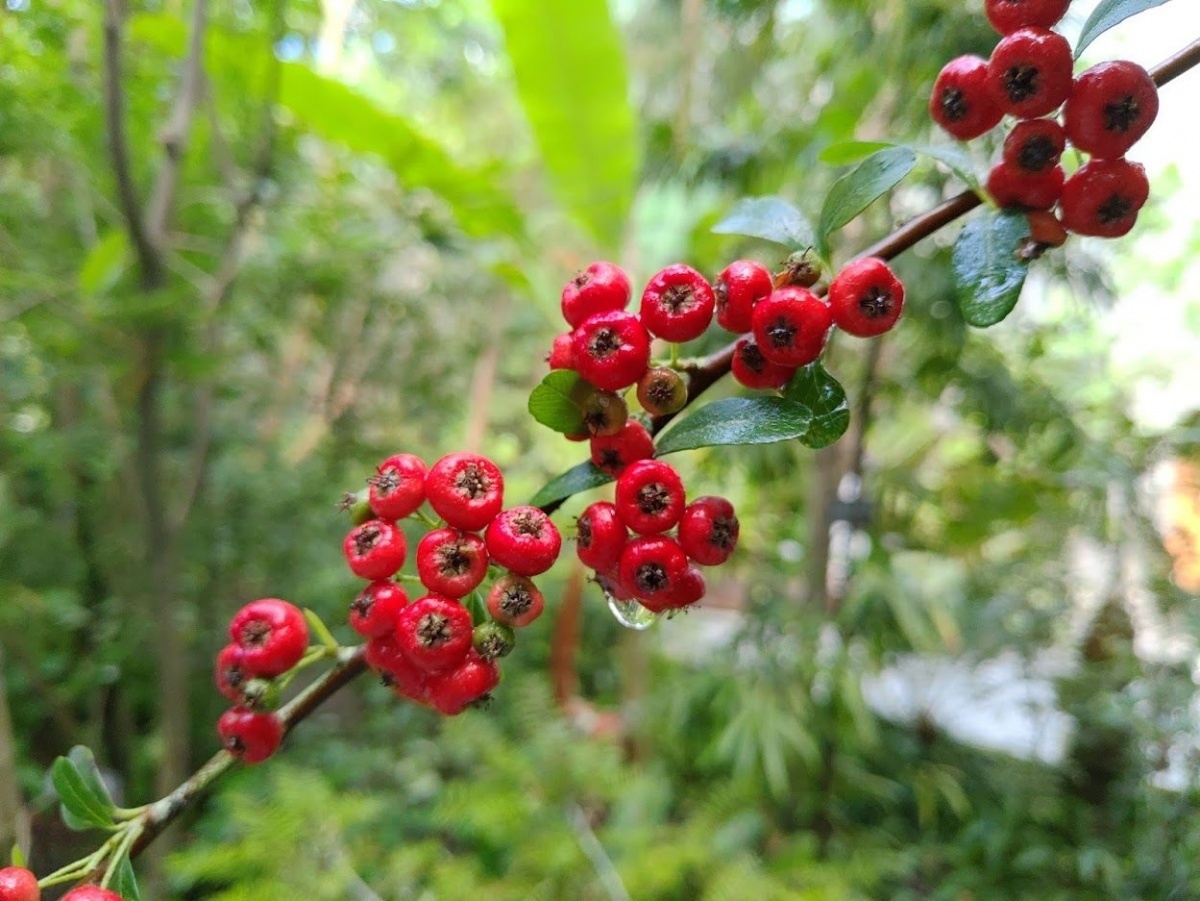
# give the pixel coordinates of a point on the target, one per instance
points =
(737, 420)
(858, 189)
(1108, 14)
(768, 218)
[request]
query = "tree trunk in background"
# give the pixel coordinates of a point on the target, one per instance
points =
(14, 825)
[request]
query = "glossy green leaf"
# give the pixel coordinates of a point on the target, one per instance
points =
(574, 481)
(1108, 14)
(843, 153)
(862, 186)
(571, 77)
(988, 269)
(84, 799)
(124, 881)
(768, 218)
(825, 397)
(105, 262)
(555, 402)
(737, 420)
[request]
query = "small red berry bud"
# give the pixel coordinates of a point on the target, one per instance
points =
(523, 540)
(272, 634)
(752, 369)
(90, 893)
(598, 289)
(398, 487)
(467, 684)
(466, 490)
(708, 530)
(677, 304)
(739, 287)
(1010, 187)
(231, 673)
(1007, 16)
(649, 497)
(451, 562)
(961, 102)
(562, 353)
(515, 601)
(1034, 145)
(373, 612)
(630, 444)
(250, 737)
(601, 536)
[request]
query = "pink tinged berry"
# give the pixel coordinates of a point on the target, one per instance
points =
(708, 530)
(231, 673)
(1034, 145)
(677, 304)
(466, 490)
(738, 289)
(470, 683)
(90, 893)
(751, 369)
(613, 454)
(650, 497)
(961, 102)
(272, 634)
(373, 612)
(651, 567)
(1010, 187)
(398, 487)
(250, 737)
(451, 562)
(562, 352)
(612, 350)
(791, 325)
(18, 884)
(434, 632)
(866, 298)
(1111, 106)
(601, 536)
(1029, 72)
(523, 540)
(1104, 197)
(598, 289)
(1007, 16)
(515, 601)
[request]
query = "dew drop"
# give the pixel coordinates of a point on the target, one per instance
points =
(631, 614)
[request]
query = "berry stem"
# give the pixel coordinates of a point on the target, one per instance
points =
(321, 630)
(674, 364)
(427, 520)
(128, 837)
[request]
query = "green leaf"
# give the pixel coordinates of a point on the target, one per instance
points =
(105, 262)
(575, 480)
(953, 158)
(824, 396)
(125, 882)
(858, 189)
(737, 420)
(768, 218)
(571, 77)
(843, 153)
(556, 401)
(988, 269)
(1108, 14)
(85, 800)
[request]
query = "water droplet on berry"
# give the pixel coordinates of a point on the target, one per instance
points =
(631, 614)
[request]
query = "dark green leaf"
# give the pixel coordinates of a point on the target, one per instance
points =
(988, 270)
(843, 153)
(571, 77)
(858, 189)
(1108, 14)
(822, 394)
(768, 218)
(575, 480)
(124, 881)
(85, 801)
(555, 401)
(737, 420)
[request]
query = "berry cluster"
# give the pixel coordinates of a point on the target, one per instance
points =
(435, 650)
(1105, 110)
(267, 639)
(19, 884)
(655, 569)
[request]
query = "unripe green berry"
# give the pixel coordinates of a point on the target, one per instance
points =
(493, 640)
(358, 505)
(604, 413)
(261, 695)
(661, 391)
(799, 269)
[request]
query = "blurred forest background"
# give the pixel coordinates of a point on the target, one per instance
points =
(953, 657)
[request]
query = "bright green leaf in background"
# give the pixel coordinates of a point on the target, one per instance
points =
(953, 158)
(768, 218)
(737, 420)
(988, 269)
(105, 262)
(1108, 14)
(570, 71)
(575, 480)
(857, 190)
(824, 395)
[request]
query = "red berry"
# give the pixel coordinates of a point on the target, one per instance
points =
(1009, 186)
(614, 453)
(677, 304)
(599, 288)
(523, 540)
(272, 634)
(866, 298)
(466, 490)
(1111, 106)
(652, 566)
(250, 737)
(1034, 145)
(375, 609)
(451, 562)
(601, 536)
(1045, 228)
(612, 350)
(650, 497)
(398, 488)
(90, 893)
(1030, 72)
(708, 530)
(791, 325)
(610, 583)
(961, 102)
(18, 884)
(231, 675)
(383, 652)
(375, 550)
(562, 353)
(687, 590)
(1103, 198)
(470, 682)
(752, 369)
(515, 601)
(739, 287)
(434, 632)
(385, 656)
(1007, 16)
